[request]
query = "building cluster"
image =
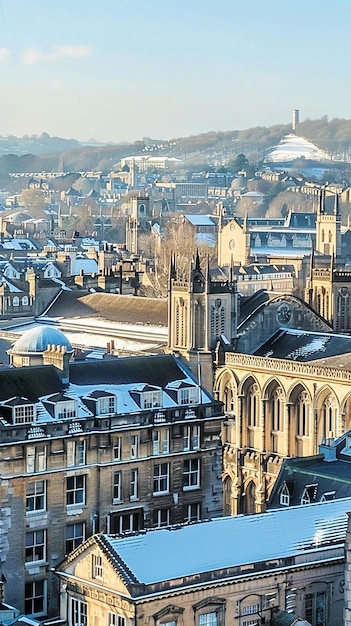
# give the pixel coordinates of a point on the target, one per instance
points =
(115, 474)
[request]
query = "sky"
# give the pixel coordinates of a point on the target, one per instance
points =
(121, 70)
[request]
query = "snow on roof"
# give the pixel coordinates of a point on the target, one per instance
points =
(293, 147)
(88, 266)
(200, 220)
(233, 541)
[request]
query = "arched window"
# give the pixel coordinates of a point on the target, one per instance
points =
(250, 499)
(15, 301)
(328, 418)
(252, 405)
(277, 398)
(302, 414)
(25, 301)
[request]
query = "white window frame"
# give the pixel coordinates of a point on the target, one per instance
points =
(35, 550)
(134, 484)
(190, 513)
(161, 517)
(117, 449)
(191, 437)
(66, 409)
(35, 459)
(117, 486)
(78, 536)
(134, 446)
(187, 395)
(113, 619)
(107, 405)
(208, 619)
(76, 452)
(285, 496)
(36, 501)
(23, 414)
(151, 399)
(161, 478)
(97, 570)
(76, 490)
(78, 614)
(191, 474)
(33, 598)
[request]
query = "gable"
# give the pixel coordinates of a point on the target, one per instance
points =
(283, 311)
(91, 564)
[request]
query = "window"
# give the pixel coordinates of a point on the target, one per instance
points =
(75, 453)
(107, 405)
(36, 496)
(35, 598)
(78, 613)
(251, 609)
(96, 566)
(151, 399)
(15, 301)
(117, 486)
(65, 409)
(315, 608)
(194, 512)
(76, 486)
(187, 395)
(208, 619)
(126, 522)
(161, 478)
(134, 484)
(302, 414)
(117, 449)
(75, 535)
(285, 495)
(160, 441)
(115, 620)
(191, 438)
(35, 546)
(252, 406)
(277, 400)
(161, 517)
(23, 414)
(134, 446)
(191, 474)
(36, 459)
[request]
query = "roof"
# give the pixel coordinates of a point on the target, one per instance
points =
(157, 370)
(300, 345)
(230, 541)
(29, 382)
(112, 307)
(200, 220)
(327, 478)
(37, 340)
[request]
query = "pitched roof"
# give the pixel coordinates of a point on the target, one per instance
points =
(299, 345)
(230, 542)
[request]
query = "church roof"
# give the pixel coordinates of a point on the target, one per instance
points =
(301, 345)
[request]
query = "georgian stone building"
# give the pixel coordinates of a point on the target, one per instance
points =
(235, 570)
(115, 446)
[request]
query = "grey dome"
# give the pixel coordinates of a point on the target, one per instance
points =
(38, 339)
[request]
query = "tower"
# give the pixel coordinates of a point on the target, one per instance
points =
(137, 221)
(200, 312)
(295, 119)
(328, 225)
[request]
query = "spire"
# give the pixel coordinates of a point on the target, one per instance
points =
(197, 262)
(321, 207)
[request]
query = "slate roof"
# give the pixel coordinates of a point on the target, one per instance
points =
(300, 345)
(112, 307)
(327, 477)
(230, 542)
(157, 370)
(29, 382)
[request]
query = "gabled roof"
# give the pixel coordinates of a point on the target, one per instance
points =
(30, 382)
(299, 345)
(231, 542)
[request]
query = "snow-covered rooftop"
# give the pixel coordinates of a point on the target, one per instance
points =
(233, 541)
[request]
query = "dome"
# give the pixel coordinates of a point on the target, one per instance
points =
(38, 339)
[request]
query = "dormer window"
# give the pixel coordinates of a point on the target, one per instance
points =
(19, 411)
(309, 494)
(285, 495)
(65, 409)
(106, 405)
(187, 395)
(147, 396)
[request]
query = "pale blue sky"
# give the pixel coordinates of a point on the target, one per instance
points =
(121, 69)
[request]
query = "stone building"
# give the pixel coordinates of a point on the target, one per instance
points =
(234, 570)
(112, 446)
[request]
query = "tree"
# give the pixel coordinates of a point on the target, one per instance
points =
(34, 201)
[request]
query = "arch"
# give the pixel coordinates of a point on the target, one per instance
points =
(275, 402)
(227, 495)
(226, 389)
(249, 507)
(328, 411)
